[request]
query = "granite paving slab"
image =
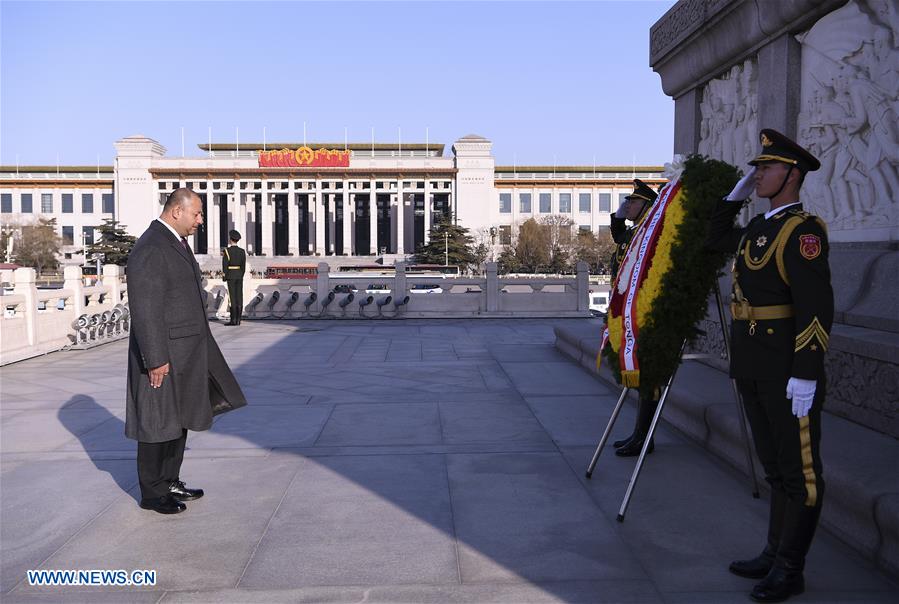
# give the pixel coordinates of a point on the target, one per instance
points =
(401, 461)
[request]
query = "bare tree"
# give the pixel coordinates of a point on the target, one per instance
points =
(559, 241)
(595, 250)
(38, 245)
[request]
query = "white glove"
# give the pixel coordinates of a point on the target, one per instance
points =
(803, 394)
(745, 187)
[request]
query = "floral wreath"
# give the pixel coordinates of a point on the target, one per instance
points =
(667, 274)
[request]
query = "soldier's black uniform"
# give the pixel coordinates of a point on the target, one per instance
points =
(234, 264)
(622, 235)
(782, 314)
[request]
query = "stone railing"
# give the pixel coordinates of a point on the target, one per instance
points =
(37, 321)
(355, 296)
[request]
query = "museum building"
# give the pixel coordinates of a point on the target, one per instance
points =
(315, 199)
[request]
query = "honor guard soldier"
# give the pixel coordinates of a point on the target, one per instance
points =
(234, 264)
(634, 208)
(782, 314)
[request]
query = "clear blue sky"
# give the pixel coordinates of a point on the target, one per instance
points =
(540, 79)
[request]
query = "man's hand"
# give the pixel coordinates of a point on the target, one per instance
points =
(157, 373)
(745, 187)
(803, 394)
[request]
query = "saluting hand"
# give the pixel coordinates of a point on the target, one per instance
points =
(743, 188)
(156, 375)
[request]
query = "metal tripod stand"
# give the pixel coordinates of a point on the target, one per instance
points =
(658, 413)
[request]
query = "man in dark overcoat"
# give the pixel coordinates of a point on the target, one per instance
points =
(177, 376)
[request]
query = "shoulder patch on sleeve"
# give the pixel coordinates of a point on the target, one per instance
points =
(809, 246)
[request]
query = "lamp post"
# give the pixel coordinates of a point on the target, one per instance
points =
(445, 248)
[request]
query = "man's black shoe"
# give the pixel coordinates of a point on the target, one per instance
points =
(230, 323)
(754, 568)
(182, 493)
(781, 583)
(163, 505)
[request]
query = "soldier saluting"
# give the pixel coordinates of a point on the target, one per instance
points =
(634, 208)
(782, 314)
(234, 264)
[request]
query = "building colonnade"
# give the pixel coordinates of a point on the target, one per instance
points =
(321, 217)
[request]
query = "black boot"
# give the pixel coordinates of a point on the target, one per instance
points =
(785, 578)
(646, 408)
(620, 443)
(758, 567)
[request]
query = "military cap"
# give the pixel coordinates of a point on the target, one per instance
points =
(778, 148)
(642, 191)
(233, 235)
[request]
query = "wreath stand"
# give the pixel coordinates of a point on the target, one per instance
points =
(655, 419)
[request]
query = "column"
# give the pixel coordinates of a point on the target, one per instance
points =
(319, 220)
(428, 210)
(212, 222)
(515, 206)
(310, 223)
(349, 211)
(400, 218)
(454, 210)
(240, 215)
(332, 223)
(372, 219)
(267, 222)
(293, 236)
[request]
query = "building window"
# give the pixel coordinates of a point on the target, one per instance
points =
(67, 203)
(505, 203)
(68, 235)
(87, 203)
(47, 203)
(564, 203)
(546, 203)
(108, 203)
(605, 202)
(505, 234)
(87, 233)
(27, 204)
(583, 203)
(583, 228)
(6, 203)
(524, 200)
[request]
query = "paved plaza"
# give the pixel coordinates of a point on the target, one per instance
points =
(381, 461)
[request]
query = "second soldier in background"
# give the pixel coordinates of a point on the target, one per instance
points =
(234, 265)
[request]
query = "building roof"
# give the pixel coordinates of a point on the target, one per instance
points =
(438, 147)
(60, 169)
(587, 169)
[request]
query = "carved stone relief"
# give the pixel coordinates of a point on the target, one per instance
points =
(729, 115)
(849, 114)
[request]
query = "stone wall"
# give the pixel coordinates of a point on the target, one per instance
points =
(825, 73)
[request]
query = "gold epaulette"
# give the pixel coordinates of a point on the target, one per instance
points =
(797, 212)
(806, 215)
